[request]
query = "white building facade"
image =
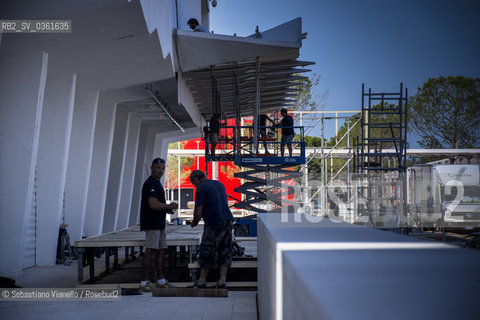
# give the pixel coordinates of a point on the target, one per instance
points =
(84, 113)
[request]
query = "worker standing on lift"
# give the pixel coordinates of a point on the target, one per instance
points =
(262, 125)
(214, 130)
(287, 131)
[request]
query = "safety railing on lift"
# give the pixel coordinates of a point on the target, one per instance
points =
(238, 144)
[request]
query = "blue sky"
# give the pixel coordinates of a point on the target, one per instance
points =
(377, 42)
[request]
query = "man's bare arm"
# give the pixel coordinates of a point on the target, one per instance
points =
(197, 215)
(157, 205)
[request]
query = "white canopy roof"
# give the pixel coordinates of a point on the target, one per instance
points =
(230, 62)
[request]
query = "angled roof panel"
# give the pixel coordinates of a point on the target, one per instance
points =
(230, 63)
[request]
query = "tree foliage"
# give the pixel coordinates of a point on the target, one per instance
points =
(354, 136)
(311, 141)
(307, 99)
(446, 113)
(171, 174)
(229, 170)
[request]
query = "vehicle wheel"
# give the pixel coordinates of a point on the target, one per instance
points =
(241, 231)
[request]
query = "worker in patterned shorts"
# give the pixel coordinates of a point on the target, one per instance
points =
(216, 248)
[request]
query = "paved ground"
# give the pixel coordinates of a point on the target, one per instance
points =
(239, 305)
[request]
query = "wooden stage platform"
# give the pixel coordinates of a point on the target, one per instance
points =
(129, 238)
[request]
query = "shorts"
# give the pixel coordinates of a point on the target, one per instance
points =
(287, 138)
(156, 239)
(216, 246)
(213, 138)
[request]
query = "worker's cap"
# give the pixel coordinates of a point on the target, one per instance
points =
(196, 174)
(157, 160)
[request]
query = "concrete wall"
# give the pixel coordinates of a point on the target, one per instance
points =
(102, 148)
(140, 176)
(52, 158)
(127, 175)
(79, 162)
(328, 270)
(62, 132)
(116, 164)
(22, 85)
(160, 17)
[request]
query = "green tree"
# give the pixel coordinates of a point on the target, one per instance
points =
(229, 170)
(315, 164)
(355, 134)
(313, 141)
(171, 174)
(445, 113)
(306, 98)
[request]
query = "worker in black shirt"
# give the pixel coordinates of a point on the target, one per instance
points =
(262, 125)
(214, 130)
(152, 220)
(287, 131)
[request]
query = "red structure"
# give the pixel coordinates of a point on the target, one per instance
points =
(226, 169)
(225, 173)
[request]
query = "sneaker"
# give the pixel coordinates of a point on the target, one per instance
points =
(196, 286)
(148, 287)
(219, 286)
(165, 285)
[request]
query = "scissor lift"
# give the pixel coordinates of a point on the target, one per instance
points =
(238, 145)
(266, 172)
(250, 88)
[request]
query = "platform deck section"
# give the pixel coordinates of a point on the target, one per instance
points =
(235, 264)
(177, 235)
(133, 237)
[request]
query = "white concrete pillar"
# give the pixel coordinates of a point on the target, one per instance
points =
(22, 85)
(127, 176)
(149, 149)
(158, 147)
(161, 147)
(102, 148)
(53, 148)
(79, 162)
(116, 164)
(139, 178)
(145, 156)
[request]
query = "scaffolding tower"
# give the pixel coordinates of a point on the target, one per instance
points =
(381, 175)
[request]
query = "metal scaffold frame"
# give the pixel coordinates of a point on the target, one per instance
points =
(383, 175)
(325, 182)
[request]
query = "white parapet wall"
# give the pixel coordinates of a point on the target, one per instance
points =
(328, 270)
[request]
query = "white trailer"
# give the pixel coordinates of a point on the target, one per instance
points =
(446, 196)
